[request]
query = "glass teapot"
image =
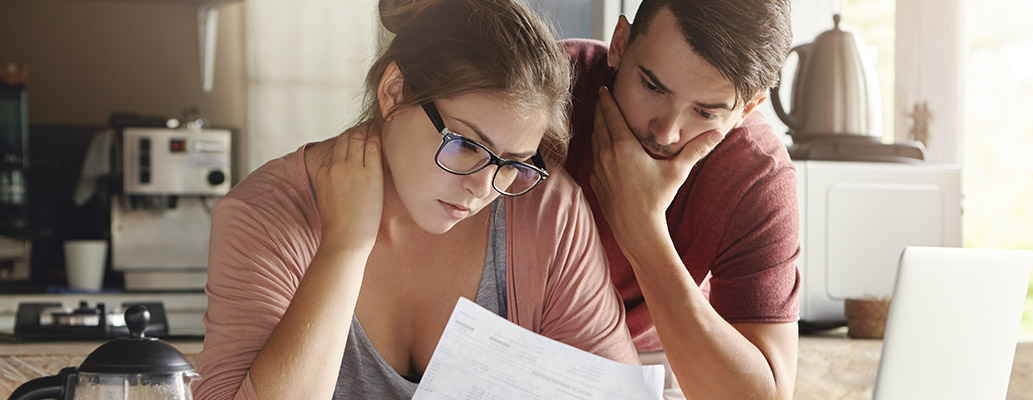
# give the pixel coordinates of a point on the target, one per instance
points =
(128, 368)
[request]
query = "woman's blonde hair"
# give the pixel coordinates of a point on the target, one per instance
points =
(446, 48)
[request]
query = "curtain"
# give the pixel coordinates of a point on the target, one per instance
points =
(306, 63)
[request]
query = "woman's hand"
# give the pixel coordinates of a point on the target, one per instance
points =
(349, 188)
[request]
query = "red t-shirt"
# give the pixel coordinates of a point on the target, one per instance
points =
(736, 216)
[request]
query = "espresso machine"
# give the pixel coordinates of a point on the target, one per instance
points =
(170, 179)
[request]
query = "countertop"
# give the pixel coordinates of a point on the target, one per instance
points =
(831, 366)
(834, 367)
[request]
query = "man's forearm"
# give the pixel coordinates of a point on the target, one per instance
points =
(710, 358)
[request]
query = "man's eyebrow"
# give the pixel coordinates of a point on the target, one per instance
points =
(713, 106)
(656, 81)
(485, 140)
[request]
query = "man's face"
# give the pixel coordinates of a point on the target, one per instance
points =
(668, 93)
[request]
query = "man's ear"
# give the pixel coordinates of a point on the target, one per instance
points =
(389, 92)
(752, 106)
(619, 41)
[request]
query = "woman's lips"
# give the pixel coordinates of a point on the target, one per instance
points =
(455, 211)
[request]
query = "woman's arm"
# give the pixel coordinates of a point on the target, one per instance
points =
(301, 356)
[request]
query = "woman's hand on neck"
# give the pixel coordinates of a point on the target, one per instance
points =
(348, 183)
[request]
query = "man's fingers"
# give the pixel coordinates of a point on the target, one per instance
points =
(601, 137)
(601, 192)
(698, 147)
(614, 120)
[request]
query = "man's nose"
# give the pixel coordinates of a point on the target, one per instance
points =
(666, 128)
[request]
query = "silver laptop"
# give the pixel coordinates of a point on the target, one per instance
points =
(953, 324)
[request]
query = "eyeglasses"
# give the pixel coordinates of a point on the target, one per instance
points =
(462, 156)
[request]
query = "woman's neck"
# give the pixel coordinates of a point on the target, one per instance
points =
(396, 224)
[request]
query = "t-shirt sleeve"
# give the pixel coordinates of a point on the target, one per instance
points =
(249, 287)
(754, 278)
(581, 306)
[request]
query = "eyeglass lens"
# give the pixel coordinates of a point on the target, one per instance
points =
(464, 157)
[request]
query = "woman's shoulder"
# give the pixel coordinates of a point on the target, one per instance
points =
(283, 176)
(555, 196)
(279, 189)
(554, 213)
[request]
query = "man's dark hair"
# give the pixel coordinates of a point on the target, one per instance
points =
(746, 40)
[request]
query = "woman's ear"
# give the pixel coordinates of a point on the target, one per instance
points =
(389, 92)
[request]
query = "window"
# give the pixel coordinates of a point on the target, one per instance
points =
(874, 21)
(998, 174)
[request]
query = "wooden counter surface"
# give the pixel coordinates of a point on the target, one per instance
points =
(831, 367)
(834, 367)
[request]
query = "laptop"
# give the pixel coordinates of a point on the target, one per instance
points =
(953, 324)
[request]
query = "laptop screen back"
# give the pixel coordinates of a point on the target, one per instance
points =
(953, 323)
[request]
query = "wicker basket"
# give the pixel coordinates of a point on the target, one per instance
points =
(866, 318)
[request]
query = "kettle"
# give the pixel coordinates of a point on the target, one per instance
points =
(132, 368)
(835, 90)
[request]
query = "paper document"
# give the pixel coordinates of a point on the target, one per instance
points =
(483, 356)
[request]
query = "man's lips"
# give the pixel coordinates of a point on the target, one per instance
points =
(648, 145)
(655, 155)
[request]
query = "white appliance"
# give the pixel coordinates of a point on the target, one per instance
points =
(160, 221)
(857, 217)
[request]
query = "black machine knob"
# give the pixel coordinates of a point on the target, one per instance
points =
(137, 318)
(216, 178)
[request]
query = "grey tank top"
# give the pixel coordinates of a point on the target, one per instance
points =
(366, 375)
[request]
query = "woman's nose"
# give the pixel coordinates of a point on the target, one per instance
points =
(479, 183)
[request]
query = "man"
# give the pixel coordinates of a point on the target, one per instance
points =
(686, 182)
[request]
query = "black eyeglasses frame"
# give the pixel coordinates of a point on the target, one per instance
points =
(538, 163)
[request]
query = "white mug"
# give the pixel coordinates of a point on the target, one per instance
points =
(84, 261)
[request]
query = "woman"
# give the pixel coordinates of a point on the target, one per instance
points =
(333, 270)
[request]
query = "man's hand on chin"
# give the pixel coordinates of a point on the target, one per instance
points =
(634, 189)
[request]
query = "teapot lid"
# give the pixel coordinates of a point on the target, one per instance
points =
(136, 354)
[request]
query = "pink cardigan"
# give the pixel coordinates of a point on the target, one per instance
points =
(267, 229)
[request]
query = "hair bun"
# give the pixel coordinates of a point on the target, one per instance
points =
(394, 13)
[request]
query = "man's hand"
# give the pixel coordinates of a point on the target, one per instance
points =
(633, 188)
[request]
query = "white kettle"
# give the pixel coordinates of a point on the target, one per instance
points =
(835, 90)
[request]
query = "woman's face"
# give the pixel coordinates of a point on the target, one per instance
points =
(437, 199)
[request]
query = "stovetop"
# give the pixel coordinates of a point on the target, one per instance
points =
(184, 311)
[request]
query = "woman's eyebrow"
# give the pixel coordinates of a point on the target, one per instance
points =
(484, 139)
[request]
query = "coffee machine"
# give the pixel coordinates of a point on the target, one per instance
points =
(15, 243)
(167, 182)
